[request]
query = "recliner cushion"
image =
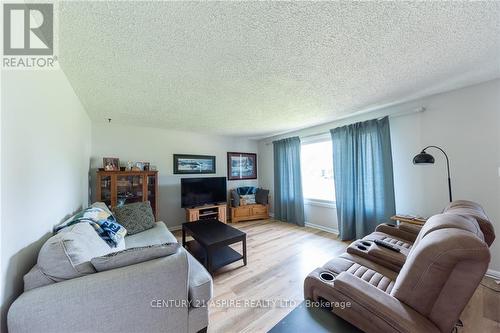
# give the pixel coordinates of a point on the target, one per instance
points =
(366, 270)
(399, 242)
(472, 209)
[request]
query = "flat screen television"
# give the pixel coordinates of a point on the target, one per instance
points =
(203, 191)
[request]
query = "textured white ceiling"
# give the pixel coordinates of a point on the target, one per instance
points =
(258, 68)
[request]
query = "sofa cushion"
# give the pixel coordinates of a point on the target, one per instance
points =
(67, 254)
(159, 234)
(199, 284)
(35, 278)
(133, 256)
(135, 217)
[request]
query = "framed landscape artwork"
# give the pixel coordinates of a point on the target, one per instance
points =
(193, 164)
(241, 166)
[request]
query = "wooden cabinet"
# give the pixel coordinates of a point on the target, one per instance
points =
(116, 188)
(249, 212)
(206, 212)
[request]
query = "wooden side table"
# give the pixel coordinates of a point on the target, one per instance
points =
(409, 219)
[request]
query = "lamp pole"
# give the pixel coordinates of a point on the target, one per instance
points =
(447, 168)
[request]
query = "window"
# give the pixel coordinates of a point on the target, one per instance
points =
(317, 170)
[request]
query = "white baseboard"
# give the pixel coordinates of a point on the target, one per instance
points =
(175, 228)
(495, 275)
(322, 227)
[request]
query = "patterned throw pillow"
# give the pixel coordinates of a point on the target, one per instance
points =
(135, 217)
(248, 199)
(245, 190)
(103, 222)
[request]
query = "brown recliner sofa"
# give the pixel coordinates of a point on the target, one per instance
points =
(427, 293)
(403, 236)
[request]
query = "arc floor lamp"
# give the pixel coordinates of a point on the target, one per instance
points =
(424, 158)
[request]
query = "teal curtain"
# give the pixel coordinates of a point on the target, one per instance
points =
(364, 184)
(288, 199)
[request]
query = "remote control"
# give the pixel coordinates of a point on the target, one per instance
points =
(386, 245)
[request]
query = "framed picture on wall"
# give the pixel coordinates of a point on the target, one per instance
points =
(241, 166)
(193, 164)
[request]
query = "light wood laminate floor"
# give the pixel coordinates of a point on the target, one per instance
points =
(280, 256)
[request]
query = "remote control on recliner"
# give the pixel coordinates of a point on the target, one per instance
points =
(386, 245)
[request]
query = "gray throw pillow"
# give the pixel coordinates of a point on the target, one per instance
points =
(135, 217)
(236, 198)
(262, 196)
(133, 256)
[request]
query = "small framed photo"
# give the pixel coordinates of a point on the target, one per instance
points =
(193, 164)
(241, 166)
(138, 166)
(111, 164)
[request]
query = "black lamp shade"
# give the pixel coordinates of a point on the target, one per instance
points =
(423, 158)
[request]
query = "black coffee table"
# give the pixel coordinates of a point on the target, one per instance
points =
(211, 243)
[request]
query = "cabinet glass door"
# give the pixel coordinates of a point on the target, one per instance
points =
(106, 190)
(129, 189)
(152, 191)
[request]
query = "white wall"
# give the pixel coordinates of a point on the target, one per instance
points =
(158, 146)
(45, 160)
(464, 122)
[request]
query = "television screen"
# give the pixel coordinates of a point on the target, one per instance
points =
(203, 191)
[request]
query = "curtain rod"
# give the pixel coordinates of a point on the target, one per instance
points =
(396, 114)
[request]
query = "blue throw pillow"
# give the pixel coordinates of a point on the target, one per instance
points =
(246, 190)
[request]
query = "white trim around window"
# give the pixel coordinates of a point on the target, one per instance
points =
(320, 203)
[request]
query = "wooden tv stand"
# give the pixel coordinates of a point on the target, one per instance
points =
(207, 212)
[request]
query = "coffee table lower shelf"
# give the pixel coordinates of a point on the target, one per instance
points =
(221, 256)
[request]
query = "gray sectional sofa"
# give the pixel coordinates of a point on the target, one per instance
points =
(64, 293)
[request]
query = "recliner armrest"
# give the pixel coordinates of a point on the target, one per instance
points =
(396, 231)
(383, 305)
